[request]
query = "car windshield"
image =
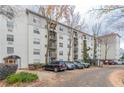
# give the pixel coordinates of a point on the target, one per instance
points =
(77, 63)
(57, 62)
(62, 62)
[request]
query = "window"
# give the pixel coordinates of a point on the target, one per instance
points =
(36, 31)
(45, 36)
(10, 50)
(10, 38)
(60, 59)
(69, 39)
(45, 45)
(45, 26)
(91, 55)
(91, 38)
(75, 33)
(91, 44)
(10, 24)
(9, 30)
(60, 37)
(60, 52)
(60, 28)
(68, 45)
(36, 52)
(36, 41)
(84, 36)
(60, 44)
(34, 20)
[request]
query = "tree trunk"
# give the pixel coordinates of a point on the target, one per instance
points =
(69, 52)
(70, 45)
(47, 50)
(94, 55)
(106, 52)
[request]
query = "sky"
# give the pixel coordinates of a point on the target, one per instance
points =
(83, 10)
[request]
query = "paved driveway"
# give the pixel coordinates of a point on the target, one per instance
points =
(92, 77)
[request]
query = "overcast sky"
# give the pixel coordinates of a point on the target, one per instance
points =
(83, 10)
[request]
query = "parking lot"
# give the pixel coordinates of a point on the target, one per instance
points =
(90, 77)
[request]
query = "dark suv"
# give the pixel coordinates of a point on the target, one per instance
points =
(56, 66)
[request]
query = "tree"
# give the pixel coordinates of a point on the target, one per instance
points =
(96, 29)
(106, 9)
(111, 13)
(9, 11)
(73, 20)
(106, 40)
(122, 57)
(85, 50)
(52, 14)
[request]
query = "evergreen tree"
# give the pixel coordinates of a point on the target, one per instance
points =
(122, 56)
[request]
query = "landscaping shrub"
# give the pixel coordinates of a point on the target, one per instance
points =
(6, 70)
(21, 77)
(36, 66)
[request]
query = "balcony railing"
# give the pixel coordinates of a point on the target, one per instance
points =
(52, 38)
(53, 47)
(75, 43)
(53, 55)
(76, 57)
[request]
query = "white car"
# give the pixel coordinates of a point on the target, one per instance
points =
(119, 62)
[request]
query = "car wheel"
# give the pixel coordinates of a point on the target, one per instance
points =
(55, 69)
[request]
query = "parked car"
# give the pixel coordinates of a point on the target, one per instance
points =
(86, 65)
(55, 66)
(105, 62)
(119, 62)
(78, 65)
(114, 63)
(69, 65)
(122, 62)
(110, 62)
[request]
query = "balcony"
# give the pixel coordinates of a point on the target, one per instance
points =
(75, 43)
(75, 38)
(75, 57)
(53, 55)
(75, 34)
(53, 38)
(76, 48)
(75, 53)
(53, 47)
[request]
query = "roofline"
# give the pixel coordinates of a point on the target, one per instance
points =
(29, 11)
(110, 35)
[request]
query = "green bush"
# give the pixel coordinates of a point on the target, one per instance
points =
(21, 77)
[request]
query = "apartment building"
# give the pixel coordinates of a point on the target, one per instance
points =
(23, 40)
(110, 46)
